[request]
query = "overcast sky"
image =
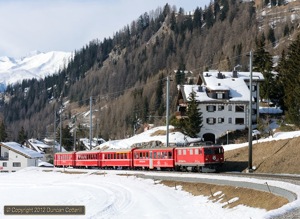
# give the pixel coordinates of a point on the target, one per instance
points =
(68, 25)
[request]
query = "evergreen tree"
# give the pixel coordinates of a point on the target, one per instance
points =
(209, 17)
(179, 77)
(263, 63)
(67, 139)
(197, 21)
(271, 36)
(192, 124)
(3, 134)
(159, 95)
(22, 136)
(289, 70)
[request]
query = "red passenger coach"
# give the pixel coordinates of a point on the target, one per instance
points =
(200, 158)
(64, 159)
(118, 158)
(153, 158)
(87, 159)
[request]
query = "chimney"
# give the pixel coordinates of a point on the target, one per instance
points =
(220, 75)
(234, 74)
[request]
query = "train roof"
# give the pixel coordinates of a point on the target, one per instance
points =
(201, 146)
(88, 152)
(154, 148)
(66, 152)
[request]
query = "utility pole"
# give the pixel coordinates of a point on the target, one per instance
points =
(74, 133)
(167, 111)
(60, 131)
(54, 133)
(250, 170)
(91, 122)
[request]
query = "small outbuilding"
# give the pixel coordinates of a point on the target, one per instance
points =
(14, 156)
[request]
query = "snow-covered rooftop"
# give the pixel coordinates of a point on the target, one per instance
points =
(237, 86)
(20, 149)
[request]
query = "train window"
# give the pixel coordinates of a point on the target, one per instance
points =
(196, 151)
(154, 155)
(158, 155)
(179, 152)
(170, 155)
(125, 156)
(108, 156)
(147, 155)
(150, 155)
(184, 152)
(208, 151)
(191, 152)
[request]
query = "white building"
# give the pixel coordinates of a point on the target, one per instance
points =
(223, 99)
(14, 156)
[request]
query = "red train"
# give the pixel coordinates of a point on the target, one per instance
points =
(196, 158)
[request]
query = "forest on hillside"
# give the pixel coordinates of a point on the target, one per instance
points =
(124, 76)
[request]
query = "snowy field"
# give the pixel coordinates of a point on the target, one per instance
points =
(113, 196)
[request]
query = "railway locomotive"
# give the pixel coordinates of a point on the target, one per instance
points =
(197, 158)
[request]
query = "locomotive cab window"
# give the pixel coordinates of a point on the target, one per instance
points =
(208, 151)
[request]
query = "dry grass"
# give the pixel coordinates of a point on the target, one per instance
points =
(225, 194)
(280, 156)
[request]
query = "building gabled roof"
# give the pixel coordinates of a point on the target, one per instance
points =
(225, 81)
(21, 149)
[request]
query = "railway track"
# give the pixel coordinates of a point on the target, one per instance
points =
(281, 177)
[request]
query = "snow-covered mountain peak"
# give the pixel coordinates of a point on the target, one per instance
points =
(34, 65)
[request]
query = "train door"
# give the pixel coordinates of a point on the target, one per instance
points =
(150, 160)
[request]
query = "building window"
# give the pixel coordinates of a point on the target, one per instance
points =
(210, 120)
(239, 108)
(4, 164)
(220, 107)
(210, 108)
(16, 164)
(220, 120)
(229, 107)
(230, 120)
(219, 95)
(239, 121)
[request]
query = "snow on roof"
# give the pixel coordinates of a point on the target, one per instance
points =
(36, 143)
(270, 110)
(238, 89)
(20, 149)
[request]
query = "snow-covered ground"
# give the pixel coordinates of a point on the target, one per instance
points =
(114, 196)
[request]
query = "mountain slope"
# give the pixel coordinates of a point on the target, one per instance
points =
(125, 75)
(34, 65)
